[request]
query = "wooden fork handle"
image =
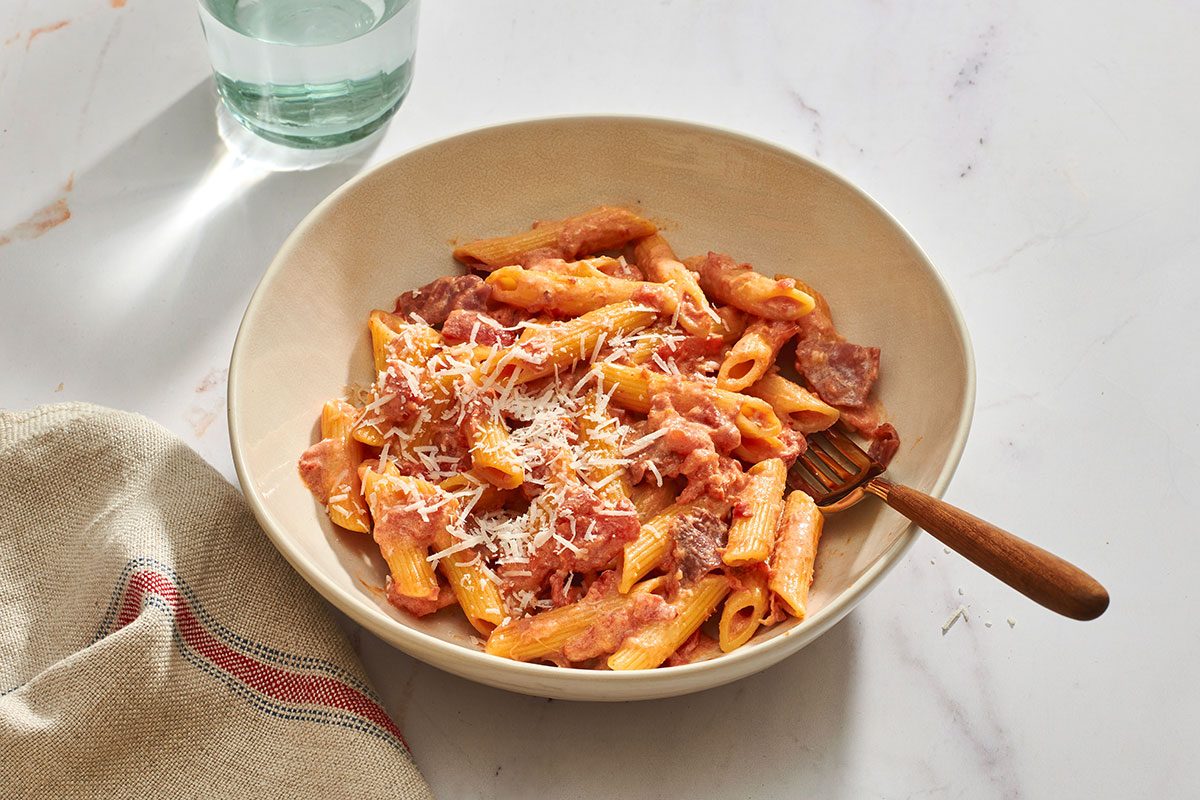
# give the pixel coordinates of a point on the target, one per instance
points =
(1041, 576)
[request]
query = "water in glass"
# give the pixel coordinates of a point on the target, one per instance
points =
(311, 73)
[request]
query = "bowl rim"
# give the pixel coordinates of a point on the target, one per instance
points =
(412, 640)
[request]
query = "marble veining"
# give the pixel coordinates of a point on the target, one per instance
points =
(1042, 154)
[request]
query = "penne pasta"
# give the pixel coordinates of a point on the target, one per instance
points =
(396, 345)
(393, 337)
(344, 501)
(641, 350)
(652, 498)
(802, 409)
(369, 434)
(650, 548)
(745, 608)
(492, 455)
(756, 450)
(572, 295)
(477, 594)
(653, 644)
(559, 347)
(545, 634)
(491, 459)
(580, 630)
(756, 515)
(636, 386)
(754, 354)
(598, 267)
(738, 285)
(822, 305)
(410, 569)
(382, 334)
(796, 552)
(602, 451)
(603, 228)
(388, 495)
(655, 256)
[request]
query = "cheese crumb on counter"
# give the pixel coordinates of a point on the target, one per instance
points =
(959, 613)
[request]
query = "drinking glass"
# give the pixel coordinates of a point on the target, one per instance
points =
(311, 73)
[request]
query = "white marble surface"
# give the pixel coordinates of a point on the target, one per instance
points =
(1044, 155)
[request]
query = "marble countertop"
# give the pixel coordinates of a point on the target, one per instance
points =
(1043, 154)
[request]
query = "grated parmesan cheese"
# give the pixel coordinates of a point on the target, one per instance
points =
(638, 445)
(542, 418)
(959, 613)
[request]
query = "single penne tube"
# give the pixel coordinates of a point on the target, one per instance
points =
(650, 548)
(448, 383)
(754, 354)
(395, 345)
(493, 456)
(382, 335)
(394, 337)
(818, 298)
(348, 516)
(756, 515)
(791, 565)
(637, 386)
(738, 285)
(373, 465)
(776, 446)
(410, 569)
(802, 409)
(603, 228)
(572, 295)
(584, 268)
(696, 315)
(650, 498)
(399, 540)
(425, 431)
(451, 360)
(744, 609)
(477, 594)
(559, 347)
(345, 504)
(638, 349)
(604, 467)
(545, 634)
(755, 419)
(653, 644)
(369, 434)
(642, 351)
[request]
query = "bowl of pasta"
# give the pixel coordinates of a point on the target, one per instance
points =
(523, 402)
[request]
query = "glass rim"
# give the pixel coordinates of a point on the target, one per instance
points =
(206, 8)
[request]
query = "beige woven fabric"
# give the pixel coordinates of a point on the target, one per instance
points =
(154, 644)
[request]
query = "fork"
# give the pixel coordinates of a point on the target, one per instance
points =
(836, 473)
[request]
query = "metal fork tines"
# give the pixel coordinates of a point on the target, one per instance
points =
(832, 467)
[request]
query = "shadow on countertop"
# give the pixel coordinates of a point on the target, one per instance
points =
(175, 233)
(726, 742)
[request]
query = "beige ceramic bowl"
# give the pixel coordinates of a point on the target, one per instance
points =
(304, 338)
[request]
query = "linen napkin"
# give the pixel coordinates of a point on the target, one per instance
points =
(152, 641)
